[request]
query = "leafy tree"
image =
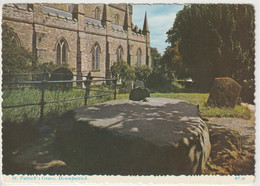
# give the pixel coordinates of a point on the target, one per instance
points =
(156, 58)
(121, 70)
(172, 63)
(142, 72)
(216, 41)
(158, 82)
(15, 59)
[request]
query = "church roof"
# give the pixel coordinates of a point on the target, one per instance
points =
(57, 12)
(91, 20)
(117, 27)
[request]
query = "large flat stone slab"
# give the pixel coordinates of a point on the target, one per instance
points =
(160, 136)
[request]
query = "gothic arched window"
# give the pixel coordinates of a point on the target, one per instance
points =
(117, 19)
(97, 13)
(119, 53)
(95, 57)
(62, 52)
(15, 40)
(139, 55)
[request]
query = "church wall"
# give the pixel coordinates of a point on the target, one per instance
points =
(15, 19)
(47, 38)
(18, 13)
(50, 28)
(135, 46)
(89, 41)
(113, 11)
(137, 37)
(95, 29)
(59, 6)
(117, 33)
(59, 22)
(25, 38)
(114, 44)
(89, 10)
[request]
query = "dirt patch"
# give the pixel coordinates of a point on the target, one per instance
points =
(38, 157)
(225, 151)
(241, 135)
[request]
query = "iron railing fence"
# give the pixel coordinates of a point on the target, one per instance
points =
(44, 85)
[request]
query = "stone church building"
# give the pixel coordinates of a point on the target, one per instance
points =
(87, 37)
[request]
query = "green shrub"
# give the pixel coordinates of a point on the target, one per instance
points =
(248, 90)
(142, 72)
(15, 58)
(121, 70)
(158, 82)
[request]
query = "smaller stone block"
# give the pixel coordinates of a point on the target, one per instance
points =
(139, 83)
(129, 86)
(224, 92)
(146, 92)
(139, 94)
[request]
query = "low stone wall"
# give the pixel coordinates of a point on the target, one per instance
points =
(122, 137)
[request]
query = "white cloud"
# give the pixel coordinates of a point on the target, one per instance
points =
(160, 19)
(159, 25)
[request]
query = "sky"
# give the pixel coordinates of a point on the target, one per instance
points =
(160, 19)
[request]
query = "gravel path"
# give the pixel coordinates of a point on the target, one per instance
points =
(246, 128)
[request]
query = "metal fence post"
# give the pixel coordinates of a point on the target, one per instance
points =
(87, 92)
(115, 82)
(42, 102)
(87, 84)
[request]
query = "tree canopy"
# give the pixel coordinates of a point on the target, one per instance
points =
(15, 59)
(142, 72)
(215, 41)
(172, 64)
(156, 58)
(123, 71)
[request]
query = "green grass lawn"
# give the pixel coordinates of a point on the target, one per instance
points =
(200, 99)
(208, 111)
(33, 96)
(57, 109)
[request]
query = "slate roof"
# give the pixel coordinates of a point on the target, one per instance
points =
(91, 20)
(117, 27)
(57, 12)
(24, 5)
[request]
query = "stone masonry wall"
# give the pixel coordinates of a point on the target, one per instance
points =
(47, 26)
(19, 19)
(46, 46)
(133, 52)
(60, 6)
(113, 47)
(89, 10)
(25, 38)
(120, 13)
(91, 40)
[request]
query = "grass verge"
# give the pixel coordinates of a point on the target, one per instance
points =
(27, 96)
(57, 109)
(208, 111)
